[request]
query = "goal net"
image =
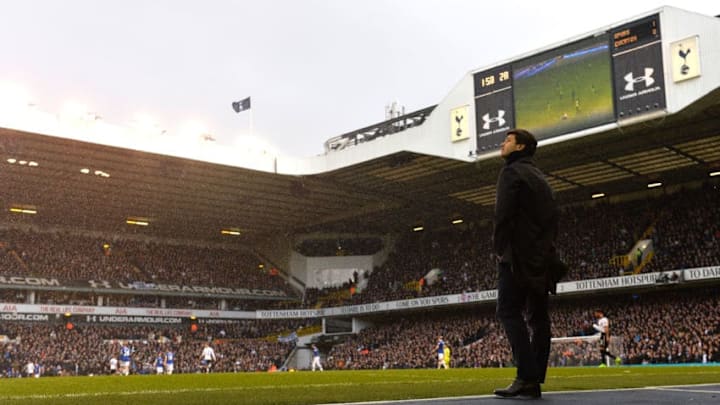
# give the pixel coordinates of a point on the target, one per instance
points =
(582, 351)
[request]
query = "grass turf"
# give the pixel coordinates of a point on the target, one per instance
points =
(326, 387)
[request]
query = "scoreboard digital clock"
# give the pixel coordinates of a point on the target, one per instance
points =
(636, 34)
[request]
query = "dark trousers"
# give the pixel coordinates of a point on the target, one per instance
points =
(604, 353)
(530, 350)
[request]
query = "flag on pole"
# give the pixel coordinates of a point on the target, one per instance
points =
(242, 105)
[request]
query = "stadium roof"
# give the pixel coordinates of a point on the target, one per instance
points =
(186, 199)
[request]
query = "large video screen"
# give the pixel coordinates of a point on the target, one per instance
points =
(566, 89)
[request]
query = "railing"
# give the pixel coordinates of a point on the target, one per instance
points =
(389, 127)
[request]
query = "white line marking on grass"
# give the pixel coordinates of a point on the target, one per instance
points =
(400, 401)
(471, 397)
(686, 390)
(688, 385)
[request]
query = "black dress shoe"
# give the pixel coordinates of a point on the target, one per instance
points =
(520, 389)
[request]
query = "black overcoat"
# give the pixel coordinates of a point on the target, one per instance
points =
(526, 222)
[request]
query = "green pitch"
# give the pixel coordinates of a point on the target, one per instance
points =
(326, 387)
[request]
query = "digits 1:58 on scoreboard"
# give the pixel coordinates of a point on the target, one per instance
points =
(490, 80)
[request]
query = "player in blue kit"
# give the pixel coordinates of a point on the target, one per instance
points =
(169, 362)
(440, 350)
(124, 359)
(160, 363)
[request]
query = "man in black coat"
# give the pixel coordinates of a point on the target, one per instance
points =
(526, 224)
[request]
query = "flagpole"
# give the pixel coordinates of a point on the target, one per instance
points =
(251, 121)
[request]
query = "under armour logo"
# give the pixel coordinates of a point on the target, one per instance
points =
(499, 119)
(630, 80)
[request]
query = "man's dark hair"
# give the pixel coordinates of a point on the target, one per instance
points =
(524, 137)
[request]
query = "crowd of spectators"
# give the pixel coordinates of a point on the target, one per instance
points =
(668, 325)
(86, 349)
(684, 227)
(408, 342)
(72, 257)
(662, 327)
(687, 233)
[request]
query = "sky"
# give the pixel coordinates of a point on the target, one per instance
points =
(315, 69)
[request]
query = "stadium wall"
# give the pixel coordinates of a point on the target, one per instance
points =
(321, 272)
(677, 25)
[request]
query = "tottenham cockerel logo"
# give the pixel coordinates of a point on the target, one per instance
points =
(630, 80)
(500, 119)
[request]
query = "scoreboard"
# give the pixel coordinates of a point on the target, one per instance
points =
(637, 33)
(609, 76)
(494, 112)
(637, 60)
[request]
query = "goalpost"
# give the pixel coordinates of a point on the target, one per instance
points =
(582, 351)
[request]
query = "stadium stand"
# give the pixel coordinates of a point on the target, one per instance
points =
(87, 349)
(382, 179)
(685, 233)
(674, 325)
(662, 327)
(71, 257)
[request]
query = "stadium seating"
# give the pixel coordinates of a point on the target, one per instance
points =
(685, 230)
(671, 325)
(72, 256)
(660, 327)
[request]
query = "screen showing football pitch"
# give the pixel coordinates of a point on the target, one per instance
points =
(566, 89)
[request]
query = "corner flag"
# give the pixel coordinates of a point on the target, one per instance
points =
(242, 105)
